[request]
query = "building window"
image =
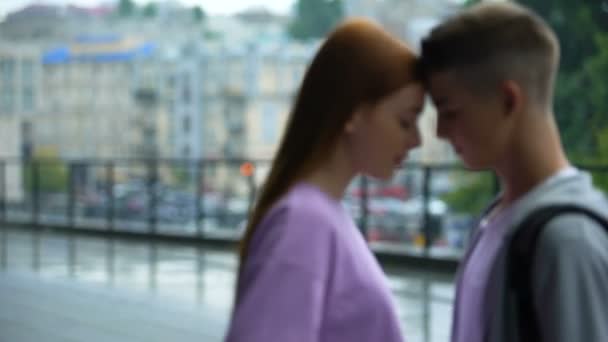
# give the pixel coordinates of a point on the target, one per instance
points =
(28, 98)
(269, 123)
(7, 70)
(6, 103)
(251, 76)
(268, 77)
(171, 81)
(186, 124)
(282, 77)
(296, 76)
(27, 72)
(236, 75)
(186, 91)
(212, 139)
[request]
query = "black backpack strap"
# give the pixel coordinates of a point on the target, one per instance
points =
(521, 256)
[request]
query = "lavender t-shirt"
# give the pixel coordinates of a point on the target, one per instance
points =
(310, 276)
(471, 312)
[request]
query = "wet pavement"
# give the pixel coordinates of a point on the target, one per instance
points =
(62, 287)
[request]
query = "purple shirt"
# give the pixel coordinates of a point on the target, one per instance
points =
(472, 311)
(470, 318)
(310, 276)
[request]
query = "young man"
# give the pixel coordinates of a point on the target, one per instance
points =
(490, 71)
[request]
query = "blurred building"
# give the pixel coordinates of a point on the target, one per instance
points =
(46, 24)
(101, 99)
(20, 78)
(230, 96)
(218, 88)
(20, 75)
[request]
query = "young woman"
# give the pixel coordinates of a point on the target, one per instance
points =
(306, 273)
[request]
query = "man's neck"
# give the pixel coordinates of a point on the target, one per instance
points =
(534, 156)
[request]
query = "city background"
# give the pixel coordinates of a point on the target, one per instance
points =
(159, 119)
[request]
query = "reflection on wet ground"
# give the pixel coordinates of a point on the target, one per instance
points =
(184, 286)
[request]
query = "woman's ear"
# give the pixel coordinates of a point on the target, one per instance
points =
(356, 120)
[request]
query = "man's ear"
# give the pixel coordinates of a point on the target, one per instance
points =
(513, 97)
(356, 120)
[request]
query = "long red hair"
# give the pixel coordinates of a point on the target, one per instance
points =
(358, 64)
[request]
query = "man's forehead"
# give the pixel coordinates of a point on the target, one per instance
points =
(443, 86)
(441, 80)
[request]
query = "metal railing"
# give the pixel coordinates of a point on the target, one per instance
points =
(426, 210)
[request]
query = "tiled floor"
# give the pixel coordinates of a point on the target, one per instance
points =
(56, 287)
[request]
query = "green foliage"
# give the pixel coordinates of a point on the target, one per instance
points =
(600, 160)
(581, 96)
(150, 10)
(474, 193)
(315, 18)
(51, 172)
(468, 3)
(198, 14)
(212, 35)
(182, 177)
(126, 8)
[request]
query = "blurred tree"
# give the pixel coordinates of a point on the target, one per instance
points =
(198, 14)
(601, 178)
(126, 8)
(595, 72)
(581, 94)
(474, 193)
(52, 172)
(150, 10)
(182, 176)
(212, 35)
(315, 18)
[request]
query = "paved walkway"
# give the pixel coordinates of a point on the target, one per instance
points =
(61, 288)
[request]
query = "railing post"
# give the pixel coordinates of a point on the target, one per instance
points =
(426, 221)
(110, 205)
(495, 184)
(3, 192)
(35, 193)
(71, 196)
(151, 188)
(200, 204)
(364, 204)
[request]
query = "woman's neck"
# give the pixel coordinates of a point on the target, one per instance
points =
(333, 175)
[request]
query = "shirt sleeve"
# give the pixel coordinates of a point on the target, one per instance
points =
(571, 281)
(283, 284)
